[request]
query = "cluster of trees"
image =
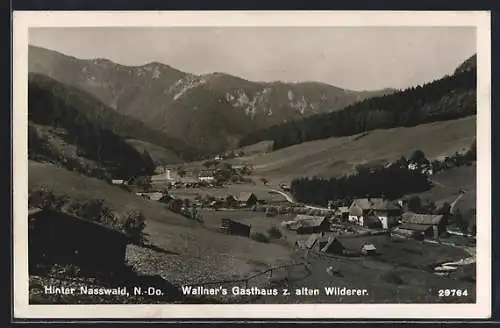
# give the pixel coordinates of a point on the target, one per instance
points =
(185, 208)
(94, 141)
(445, 99)
(131, 222)
(390, 182)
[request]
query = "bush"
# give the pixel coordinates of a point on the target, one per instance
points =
(275, 232)
(133, 223)
(260, 237)
(46, 199)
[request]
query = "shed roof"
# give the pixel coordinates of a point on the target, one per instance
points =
(312, 222)
(415, 227)
(301, 217)
(245, 196)
(424, 219)
(309, 243)
(35, 211)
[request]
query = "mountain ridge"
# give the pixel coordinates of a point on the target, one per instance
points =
(447, 98)
(156, 93)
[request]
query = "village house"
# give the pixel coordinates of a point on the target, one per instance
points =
(247, 199)
(422, 225)
(333, 244)
(306, 224)
(365, 211)
(58, 237)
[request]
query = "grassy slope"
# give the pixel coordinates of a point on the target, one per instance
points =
(334, 156)
(160, 155)
(448, 184)
(195, 250)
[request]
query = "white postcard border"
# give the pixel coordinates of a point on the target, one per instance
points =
(23, 20)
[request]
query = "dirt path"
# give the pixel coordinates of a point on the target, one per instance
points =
(290, 199)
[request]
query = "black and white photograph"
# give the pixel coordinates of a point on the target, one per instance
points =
(208, 164)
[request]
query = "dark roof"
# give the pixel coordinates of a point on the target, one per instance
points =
(309, 243)
(245, 196)
(36, 210)
(374, 204)
(329, 241)
(424, 219)
(415, 227)
(311, 222)
(233, 222)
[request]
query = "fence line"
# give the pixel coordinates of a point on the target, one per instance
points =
(269, 272)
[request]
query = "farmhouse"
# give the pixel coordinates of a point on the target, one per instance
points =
(306, 224)
(365, 211)
(347, 246)
(57, 237)
(422, 225)
(231, 227)
(247, 199)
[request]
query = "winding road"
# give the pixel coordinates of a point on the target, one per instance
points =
(290, 199)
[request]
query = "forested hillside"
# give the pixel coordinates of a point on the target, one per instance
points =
(96, 111)
(448, 98)
(61, 121)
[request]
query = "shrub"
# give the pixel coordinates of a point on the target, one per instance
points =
(260, 237)
(275, 232)
(46, 199)
(133, 223)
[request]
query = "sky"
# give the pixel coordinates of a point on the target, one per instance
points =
(356, 58)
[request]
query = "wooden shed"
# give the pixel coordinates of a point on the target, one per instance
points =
(231, 227)
(57, 237)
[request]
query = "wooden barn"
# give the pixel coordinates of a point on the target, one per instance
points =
(231, 227)
(347, 245)
(247, 199)
(57, 237)
(422, 225)
(312, 224)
